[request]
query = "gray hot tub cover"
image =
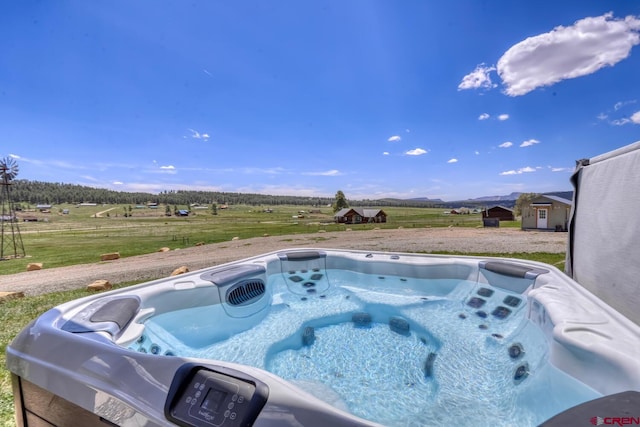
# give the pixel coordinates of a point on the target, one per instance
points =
(603, 253)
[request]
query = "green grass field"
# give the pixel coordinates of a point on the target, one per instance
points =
(80, 237)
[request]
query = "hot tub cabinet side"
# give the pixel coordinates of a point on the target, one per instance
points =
(38, 407)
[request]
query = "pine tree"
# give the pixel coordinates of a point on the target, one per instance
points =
(340, 202)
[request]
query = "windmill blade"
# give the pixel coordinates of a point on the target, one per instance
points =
(8, 168)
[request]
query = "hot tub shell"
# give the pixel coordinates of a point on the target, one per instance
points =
(75, 357)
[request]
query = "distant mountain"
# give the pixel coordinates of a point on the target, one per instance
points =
(564, 194)
(426, 199)
(508, 201)
(512, 196)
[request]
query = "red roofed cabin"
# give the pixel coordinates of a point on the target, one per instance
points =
(499, 212)
(360, 216)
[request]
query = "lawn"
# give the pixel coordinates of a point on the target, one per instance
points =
(80, 237)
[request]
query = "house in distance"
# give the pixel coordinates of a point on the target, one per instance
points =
(499, 213)
(360, 216)
(546, 212)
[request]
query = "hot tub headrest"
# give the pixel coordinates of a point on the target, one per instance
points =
(109, 315)
(301, 255)
(230, 275)
(512, 270)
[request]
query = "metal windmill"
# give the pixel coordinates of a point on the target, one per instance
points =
(11, 245)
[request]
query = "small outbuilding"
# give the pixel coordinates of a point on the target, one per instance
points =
(499, 212)
(546, 212)
(360, 216)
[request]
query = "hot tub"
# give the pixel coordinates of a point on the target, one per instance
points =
(310, 337)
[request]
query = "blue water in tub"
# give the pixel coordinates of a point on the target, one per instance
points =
(397, 351)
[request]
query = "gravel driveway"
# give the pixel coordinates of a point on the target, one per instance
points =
(161, 264)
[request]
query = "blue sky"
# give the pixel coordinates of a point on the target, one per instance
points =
(450, 99)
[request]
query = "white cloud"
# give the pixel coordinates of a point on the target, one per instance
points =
(394, 138)
(452, 161)
(567, 52)
(525, 169)
(416, 152)
(257, 171)
(483, 116)
(332, 172)
(283, 190)
(241, 170)
(620, 122)
(60, 164)
(506, 144)
(529, 143)
(117, 182)
(503, 117)
(169, 169)
(477, 153)
(197, 135)
(14, 156)
(560, 169)
(478, 78)
(385, 153)
(158, 187)
(635, 119)
(621, 104)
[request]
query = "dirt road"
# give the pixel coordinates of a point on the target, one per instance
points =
(161, 264)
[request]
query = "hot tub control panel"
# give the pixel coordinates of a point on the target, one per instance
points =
(214, 396)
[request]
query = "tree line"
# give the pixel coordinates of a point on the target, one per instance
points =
(38, 192)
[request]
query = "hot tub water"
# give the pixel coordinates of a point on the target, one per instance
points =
(416, 359)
